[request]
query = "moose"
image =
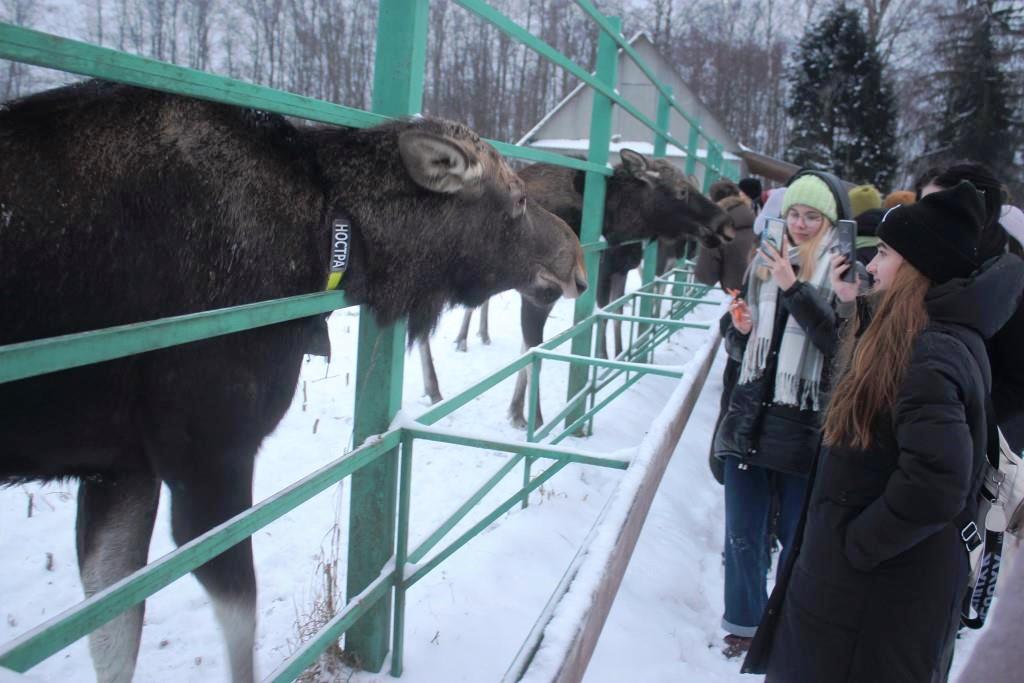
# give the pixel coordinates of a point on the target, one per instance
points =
(121, 204)
(645, 199)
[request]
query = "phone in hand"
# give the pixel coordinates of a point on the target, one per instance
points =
(846, 234)
(774, 229)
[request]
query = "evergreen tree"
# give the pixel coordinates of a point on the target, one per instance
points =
(976, 111)
(841, 109)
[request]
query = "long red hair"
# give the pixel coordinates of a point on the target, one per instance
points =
(877, 363)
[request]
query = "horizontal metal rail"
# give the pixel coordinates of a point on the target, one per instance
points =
(329, 633)
(520, 34)
(43, 49)
(445, 527)
(27, 359)
(450, 405)
(602, 21)
(534, 450)
(421, 570)
(57, 633)
(642, 368)
(651, 321)
(32, 358)
(670, 297)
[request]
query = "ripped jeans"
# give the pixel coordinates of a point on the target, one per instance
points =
(748, 503)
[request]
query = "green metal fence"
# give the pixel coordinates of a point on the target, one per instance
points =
(379, 552)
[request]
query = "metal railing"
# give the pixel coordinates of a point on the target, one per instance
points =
(379, 565)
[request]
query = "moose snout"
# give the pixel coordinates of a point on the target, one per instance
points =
(581, 281)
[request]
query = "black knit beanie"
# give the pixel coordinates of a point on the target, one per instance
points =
(939, 234)
(752, 188)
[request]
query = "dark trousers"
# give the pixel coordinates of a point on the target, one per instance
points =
(748, 505)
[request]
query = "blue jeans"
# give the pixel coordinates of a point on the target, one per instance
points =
(748, 501)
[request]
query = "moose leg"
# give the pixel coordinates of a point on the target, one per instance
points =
(460, 341)
(617, 289)
(485, 310)
(531, 319)
(602, 298)
(114, 526)
(430, 385)
(211, 492)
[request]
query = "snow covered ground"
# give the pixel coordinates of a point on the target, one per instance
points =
(468, 618)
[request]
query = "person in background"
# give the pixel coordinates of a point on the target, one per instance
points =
(783, 335)
(873, 591)
(925, 178)
(993, 237)
(864, 198)
(897, 197)
(751, 188)
(866, 204)
(727, 265)
(1004, 347)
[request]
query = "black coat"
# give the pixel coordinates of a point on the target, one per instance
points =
(1006, 351)
(755, 429)
(872, 591)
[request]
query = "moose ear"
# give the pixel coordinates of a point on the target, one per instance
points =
(634, 162)
(437, 163)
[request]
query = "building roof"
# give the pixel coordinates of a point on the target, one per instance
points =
(565, 127)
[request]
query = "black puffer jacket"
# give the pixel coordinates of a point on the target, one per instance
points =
(872, 591)
(1006, 351)
(755, 429)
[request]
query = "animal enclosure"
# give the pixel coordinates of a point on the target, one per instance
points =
(379, 570)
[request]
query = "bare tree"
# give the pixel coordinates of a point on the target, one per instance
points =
(14, 78)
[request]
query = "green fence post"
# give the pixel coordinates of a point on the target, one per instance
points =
(397, 91)
(691, 151)
(593, 203)
(647, 276)
(664, 107)
(710, 166)
(653, 248)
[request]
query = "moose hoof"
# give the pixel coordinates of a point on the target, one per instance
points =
(485, 340)
(435, 398)
(517, 421)
(460, 345)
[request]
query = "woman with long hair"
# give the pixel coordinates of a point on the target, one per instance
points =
(783, 334)
(872, 592)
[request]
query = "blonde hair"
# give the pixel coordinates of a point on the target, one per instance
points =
(806, 252)
(876, 365)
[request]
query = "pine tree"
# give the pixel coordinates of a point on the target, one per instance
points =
(977, 120)
(842, 109)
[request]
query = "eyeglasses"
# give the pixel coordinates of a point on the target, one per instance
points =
(809, 218)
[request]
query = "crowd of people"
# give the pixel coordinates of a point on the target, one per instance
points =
(857, 412)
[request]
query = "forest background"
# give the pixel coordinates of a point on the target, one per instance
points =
(945, 65)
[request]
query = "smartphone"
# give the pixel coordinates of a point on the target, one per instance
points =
(774, 229)
(846, 232)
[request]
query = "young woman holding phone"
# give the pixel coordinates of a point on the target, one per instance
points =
(872, 591)
(784, 333)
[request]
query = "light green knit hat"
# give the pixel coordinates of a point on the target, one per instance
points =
(864, 197)
(811, 191)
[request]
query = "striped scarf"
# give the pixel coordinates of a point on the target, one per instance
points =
(798, 373)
